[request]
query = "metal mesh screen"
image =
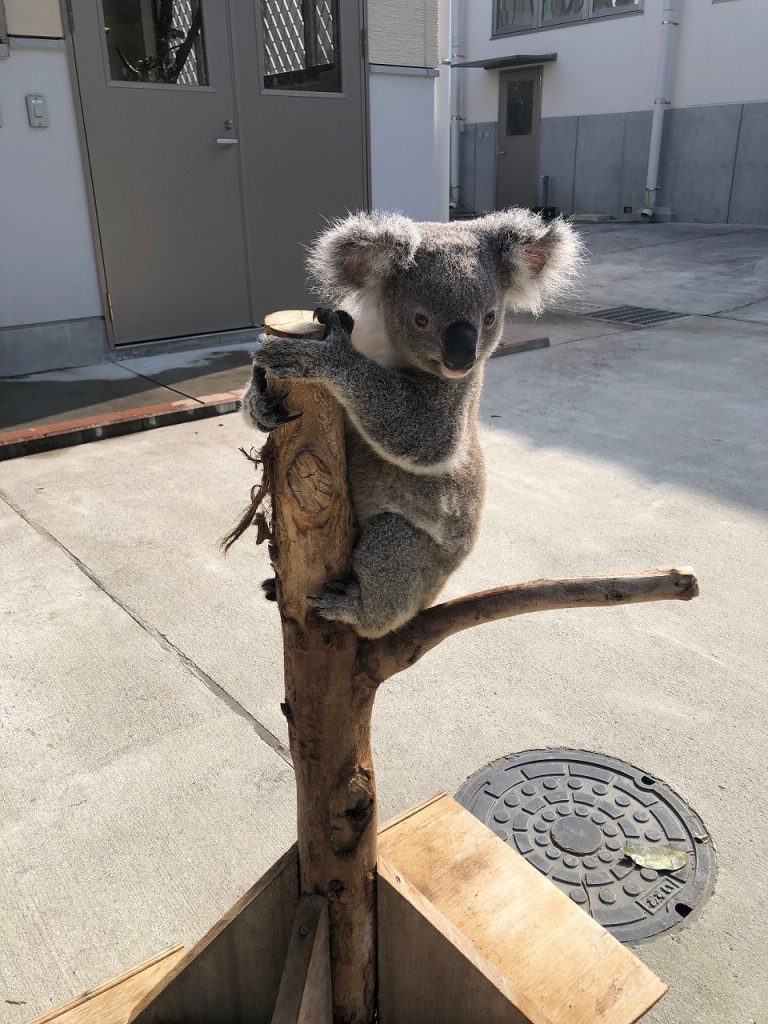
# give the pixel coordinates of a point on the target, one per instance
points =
(182, 22)
(297, 34)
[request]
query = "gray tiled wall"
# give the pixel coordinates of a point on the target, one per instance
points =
(749, 193)
(558, 159)
(714, 163)
(698, 152)
(477, 166)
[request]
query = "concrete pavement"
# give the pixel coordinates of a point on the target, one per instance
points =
(140, 671)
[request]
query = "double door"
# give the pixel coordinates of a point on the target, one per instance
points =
(220, 136)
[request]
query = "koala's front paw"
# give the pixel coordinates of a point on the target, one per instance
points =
(262, 410)
(290, 359)
(338, 324)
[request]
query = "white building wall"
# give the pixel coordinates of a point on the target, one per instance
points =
(409, 119)
(49, 263)
(609, 65)
(404, 157)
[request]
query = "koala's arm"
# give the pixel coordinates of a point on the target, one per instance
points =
(407, 418)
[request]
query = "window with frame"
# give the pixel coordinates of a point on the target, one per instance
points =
(158, 41)
(301, 45)
(512, 16)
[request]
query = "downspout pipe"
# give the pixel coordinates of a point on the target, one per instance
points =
(669, 23)
(457, 121)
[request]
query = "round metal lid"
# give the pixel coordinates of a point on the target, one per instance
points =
(574, 815)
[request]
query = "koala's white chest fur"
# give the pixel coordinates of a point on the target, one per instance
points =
(369, 335)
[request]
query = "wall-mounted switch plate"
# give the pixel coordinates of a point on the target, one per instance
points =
(37, 110)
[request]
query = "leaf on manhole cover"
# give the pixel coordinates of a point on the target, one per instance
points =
(657, 858)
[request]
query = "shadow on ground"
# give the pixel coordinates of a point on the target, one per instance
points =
(682, 403)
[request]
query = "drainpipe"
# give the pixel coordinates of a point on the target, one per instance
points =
(457, 121)
(663, 75)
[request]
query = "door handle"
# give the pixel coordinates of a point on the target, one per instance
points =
(227, 142)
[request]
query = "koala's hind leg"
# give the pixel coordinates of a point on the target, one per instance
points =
(396, 570)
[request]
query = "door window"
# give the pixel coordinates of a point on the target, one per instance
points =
(158, 41)
(301, 45)
(520, 107)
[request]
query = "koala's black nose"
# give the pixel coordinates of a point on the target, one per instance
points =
(459, 345)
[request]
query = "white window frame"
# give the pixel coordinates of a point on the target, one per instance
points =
(539, 25)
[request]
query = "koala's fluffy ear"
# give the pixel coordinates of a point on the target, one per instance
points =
(360, 250)
(536, 261)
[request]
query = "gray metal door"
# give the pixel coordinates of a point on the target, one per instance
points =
(301, 86)
(517, 162)
(156, 86)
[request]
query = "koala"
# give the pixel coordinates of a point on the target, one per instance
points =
(415, 309)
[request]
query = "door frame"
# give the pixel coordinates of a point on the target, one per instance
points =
(67, 21)
(537, 72)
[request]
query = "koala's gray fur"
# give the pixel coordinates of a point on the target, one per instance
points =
(409, 377)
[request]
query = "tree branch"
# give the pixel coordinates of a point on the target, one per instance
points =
(381, 658)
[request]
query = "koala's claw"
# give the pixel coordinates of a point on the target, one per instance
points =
(280, 417)
(264, 410)
(269, 586)
(274, 401)
(335, 321)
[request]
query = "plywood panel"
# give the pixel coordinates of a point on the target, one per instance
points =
(418, 956)
(544, 955)
(305, 987)
(232, 975)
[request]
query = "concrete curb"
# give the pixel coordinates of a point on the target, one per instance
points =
(66, 433)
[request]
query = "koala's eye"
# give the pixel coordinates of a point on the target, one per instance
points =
(421, 320)
(489, 318)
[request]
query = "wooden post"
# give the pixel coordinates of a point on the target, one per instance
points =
(327, 703)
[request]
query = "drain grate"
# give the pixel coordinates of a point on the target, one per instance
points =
(570, 813)
(571, 306)
(637, 315)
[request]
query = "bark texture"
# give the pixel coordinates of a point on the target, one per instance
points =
(327, 704)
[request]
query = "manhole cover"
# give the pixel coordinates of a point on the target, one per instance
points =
(571, 813)
(637, 315)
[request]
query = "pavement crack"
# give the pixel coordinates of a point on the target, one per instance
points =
(158, 383)
(741, 305)
(667, 241)
(161, 639)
